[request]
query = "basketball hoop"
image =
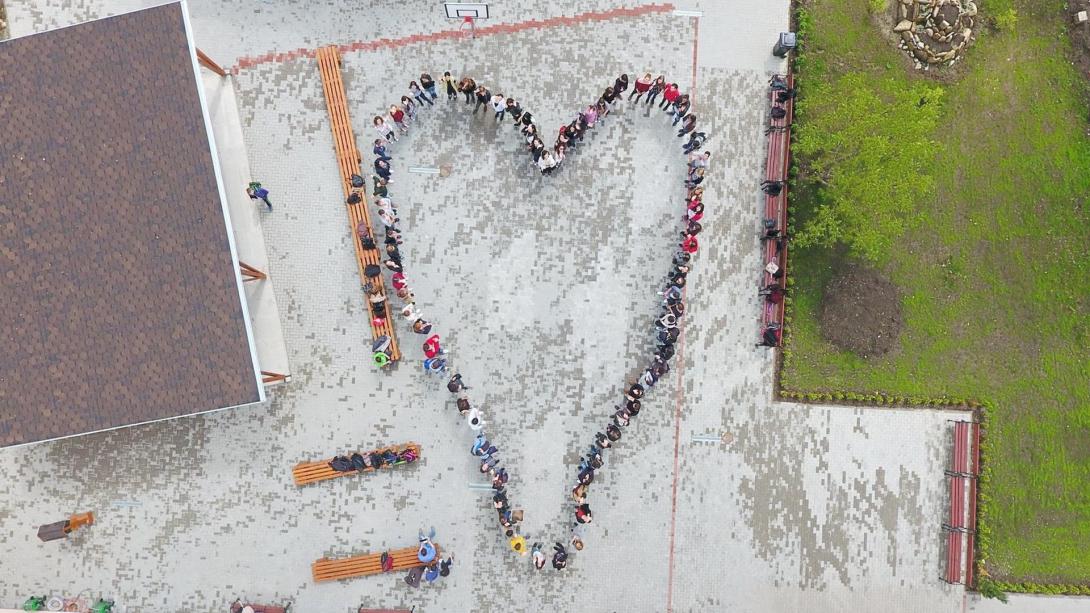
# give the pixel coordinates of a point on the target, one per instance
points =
(468, 13)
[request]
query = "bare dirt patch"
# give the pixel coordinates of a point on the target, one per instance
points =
(1080, 37)
(861, 312)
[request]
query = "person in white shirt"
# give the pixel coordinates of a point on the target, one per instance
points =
(499, 104)
(546, 162)
(699, 160)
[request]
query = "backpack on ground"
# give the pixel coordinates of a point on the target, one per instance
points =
(341, 464)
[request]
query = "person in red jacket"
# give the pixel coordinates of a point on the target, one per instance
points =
(689, 245)
(398, 115)
(669, 96)
(432, 347)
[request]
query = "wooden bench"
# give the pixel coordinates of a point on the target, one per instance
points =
(777, 165)
(348, 160)
(305, 473)
(961, 527)
(367, 564)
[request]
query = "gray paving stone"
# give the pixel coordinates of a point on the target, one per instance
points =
(542, 289)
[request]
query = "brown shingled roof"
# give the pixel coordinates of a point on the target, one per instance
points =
(119, 296)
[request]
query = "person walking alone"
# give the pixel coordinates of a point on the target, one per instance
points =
(256, 192)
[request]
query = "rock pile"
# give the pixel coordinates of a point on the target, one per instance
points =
(935, 31)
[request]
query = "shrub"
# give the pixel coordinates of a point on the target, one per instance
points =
(1007, 20)
(990, 589)
(864, 141)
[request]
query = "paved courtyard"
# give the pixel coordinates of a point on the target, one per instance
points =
(544, 289)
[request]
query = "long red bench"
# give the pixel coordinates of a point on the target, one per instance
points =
(777, 165)
(960, 528)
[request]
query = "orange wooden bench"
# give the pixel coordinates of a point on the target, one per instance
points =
(367, 564)
(349, 159)
(305, 473)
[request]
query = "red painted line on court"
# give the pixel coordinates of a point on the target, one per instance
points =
(500, 28)
(696, 39)
(680, 391)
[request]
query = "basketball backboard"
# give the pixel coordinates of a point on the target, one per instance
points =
(461, 10)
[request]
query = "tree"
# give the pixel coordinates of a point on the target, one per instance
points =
(865, 148)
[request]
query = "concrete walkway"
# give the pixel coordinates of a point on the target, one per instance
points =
(545, 287)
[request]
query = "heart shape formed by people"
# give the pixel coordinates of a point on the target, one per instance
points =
(667, 324)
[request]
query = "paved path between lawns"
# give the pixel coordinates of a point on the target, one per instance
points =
(537, 286)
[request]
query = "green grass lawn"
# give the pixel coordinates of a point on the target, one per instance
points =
(994, 274)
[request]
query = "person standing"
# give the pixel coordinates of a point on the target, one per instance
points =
(560, 558)
(428, 84)
(669, 95)
(380, 190)
(451, 86)
(656, 88)
(538, 556)
(397, 114)
(467, 87)
(518, 544)
(681, 108)
(499, 104)
(483, 97)
(591, 115)
(620, 86)
(256, 192)
(514, 109)
(696, 139)
(380, 150)
(698, 160)
(384, 130)
(609, 96)
(432, 348)
(382, 169)
(687, 125)
(641, 86)
(419, 94)
(696, 177)
(410, 108)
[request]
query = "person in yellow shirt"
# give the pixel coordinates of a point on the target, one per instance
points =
(518, 544)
